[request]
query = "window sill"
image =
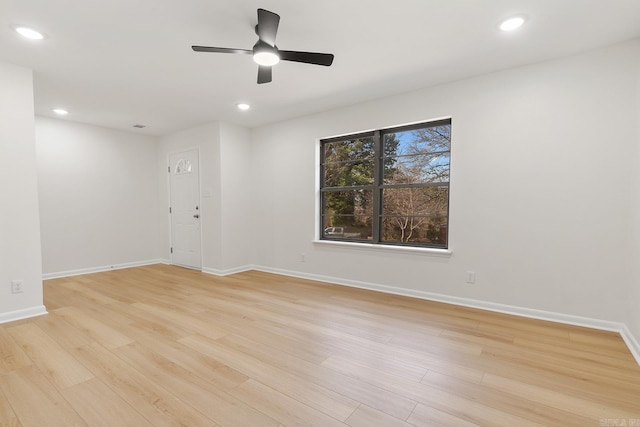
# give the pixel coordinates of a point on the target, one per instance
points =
(385, 248)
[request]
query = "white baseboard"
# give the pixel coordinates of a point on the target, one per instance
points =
(588, 322)
(632, 342)
(229, 271)
(90, 270)
(25, 313)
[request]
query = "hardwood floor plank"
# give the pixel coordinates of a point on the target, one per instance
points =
(345, 345)
(63, 333)
(79, 288)
(102, 333)
(206, 397)
(164, 345)
(602, 339)
(54, 362)
(259, 332)
(12, 356)
(158, 405)
(98, 405)
(10, 423)
(617, 361)
(320, 398)
(524, 327)
(364, 416)
(409, 359)
(475, 336)
(281, 407)
(443, 400)
(190, 323)
(503, 401)
(576, 405)
(569, 381)
(593, 373)
(62, 297)
(375, 397)
(153, 322)
(369, 319)
(426, 416)
(7, 416)
(178, 353)
(438, 346)
(35, 400)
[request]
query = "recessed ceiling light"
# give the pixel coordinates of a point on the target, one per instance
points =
(512, 23)
(29, 33)
(60, 111)
(242, 106)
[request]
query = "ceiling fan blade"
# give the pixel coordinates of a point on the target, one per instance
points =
(267, 26)
(221, 50)
(264, 74)
(325, 59)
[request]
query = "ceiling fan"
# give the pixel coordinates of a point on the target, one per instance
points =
(266, 53)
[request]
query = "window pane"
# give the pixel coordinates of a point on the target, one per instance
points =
(183, 166)
(348, 202)
(356, 227)
(402, 172)
(412, 229)
(349, 150)
(347, 174)
(418, 141)
(421, 168)
(415, 201)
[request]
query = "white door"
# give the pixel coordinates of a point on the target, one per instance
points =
(185, 209)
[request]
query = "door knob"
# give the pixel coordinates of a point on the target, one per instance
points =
(196, 216)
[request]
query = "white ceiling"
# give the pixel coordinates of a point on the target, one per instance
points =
(116, 63)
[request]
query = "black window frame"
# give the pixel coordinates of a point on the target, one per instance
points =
(378, 185)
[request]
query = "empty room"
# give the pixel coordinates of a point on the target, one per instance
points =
(231, 213)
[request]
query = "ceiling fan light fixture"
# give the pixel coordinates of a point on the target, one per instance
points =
(265, 52)
(29, 33)
(266, 58)
(512, 23)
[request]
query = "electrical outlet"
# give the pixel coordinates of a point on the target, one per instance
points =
(471, 277)
(303, 258)
(16, 286)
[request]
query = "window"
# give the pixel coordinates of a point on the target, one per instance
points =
(183, 166)
(388, 186)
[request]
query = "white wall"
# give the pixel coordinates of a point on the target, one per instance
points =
(98, 196)
(634, 287)
(237, 215)
(542, 188)
(20, 256)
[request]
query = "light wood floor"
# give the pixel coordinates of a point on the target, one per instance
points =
(161, 345)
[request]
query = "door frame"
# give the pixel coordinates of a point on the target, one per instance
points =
(168, 182)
